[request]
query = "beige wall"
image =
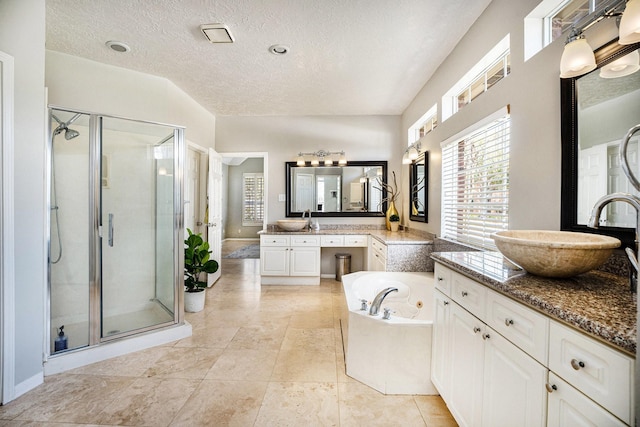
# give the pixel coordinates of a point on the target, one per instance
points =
(533, 92)
(233, 227)
(361, 137)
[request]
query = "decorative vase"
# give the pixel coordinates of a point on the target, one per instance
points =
(395, 225)
(390, 211)
(194, 301)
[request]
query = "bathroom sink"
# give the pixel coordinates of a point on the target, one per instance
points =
(555, 253)
(292, 224)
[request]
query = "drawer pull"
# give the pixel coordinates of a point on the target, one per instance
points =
(577, 364)
(551, 387)
(476, 330)
(486, 336)
(446, 302)
(464, 293)
(508, 322)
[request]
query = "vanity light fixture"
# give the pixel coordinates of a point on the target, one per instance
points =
(578, 58)
(323, 156)
(411, 153)
(621, 67)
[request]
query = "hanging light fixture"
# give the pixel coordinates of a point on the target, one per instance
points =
(621, 67)
(323, 156)
(630, 23)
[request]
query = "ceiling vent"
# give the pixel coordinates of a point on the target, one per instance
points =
(217, 33)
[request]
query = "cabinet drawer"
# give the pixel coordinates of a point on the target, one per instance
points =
(330, 240)
(379, 248)
(469, 294)
(274, 240)
(443, 279)
(355, 240)
(522, 326)
(598, 371)
(302, 240)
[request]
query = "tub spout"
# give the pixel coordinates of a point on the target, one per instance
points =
(377, 301)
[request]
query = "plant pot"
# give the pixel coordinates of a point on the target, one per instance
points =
(394, 225)
(194, 301)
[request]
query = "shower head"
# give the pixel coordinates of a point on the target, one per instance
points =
(70, 134)
(62, 126)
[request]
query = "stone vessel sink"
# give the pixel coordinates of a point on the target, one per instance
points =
(555, 253)
(292, 224)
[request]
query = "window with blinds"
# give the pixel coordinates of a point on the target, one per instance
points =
(475, 183)
(252, 199)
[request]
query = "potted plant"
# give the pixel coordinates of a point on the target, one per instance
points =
(196, 262)
(394, 221)
(392, 197)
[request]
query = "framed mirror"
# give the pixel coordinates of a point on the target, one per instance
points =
(336, 191)
(597, 111)
(418, 175)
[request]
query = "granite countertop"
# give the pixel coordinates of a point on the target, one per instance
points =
(384, 236)
(596, 302)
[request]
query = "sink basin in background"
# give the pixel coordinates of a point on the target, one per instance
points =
(555, 253)
(292, 224)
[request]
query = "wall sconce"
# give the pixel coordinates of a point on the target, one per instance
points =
(323, 156)
(578, 58)
(411, 153)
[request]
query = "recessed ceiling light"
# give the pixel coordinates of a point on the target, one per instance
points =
(279, 49)
(118, 46)
(217, 33)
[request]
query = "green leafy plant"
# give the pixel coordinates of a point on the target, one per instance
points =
(196, 262)
(394, 218)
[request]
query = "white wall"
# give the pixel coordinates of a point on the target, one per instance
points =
(533, 92)
(78, 83)
(22, 33)
(361, 137)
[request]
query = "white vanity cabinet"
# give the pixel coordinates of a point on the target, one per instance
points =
(497, 362)
(377, 255)
(293, 259)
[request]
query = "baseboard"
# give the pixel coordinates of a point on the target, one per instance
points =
(247, 239)
(28, 385)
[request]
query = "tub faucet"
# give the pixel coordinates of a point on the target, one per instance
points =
(631, 254)
(377, 301)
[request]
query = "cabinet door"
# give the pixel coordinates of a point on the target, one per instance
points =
(514, 388)
(304, 261)
(467, 362)
(440, 368)
(274, 261)
(570, 408)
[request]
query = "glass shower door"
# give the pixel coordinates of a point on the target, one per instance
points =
(137, 226)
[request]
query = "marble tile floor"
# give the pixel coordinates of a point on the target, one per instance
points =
(259, 356)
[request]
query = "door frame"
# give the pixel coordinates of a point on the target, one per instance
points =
(7, 249)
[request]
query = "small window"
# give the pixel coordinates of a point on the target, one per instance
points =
(492, 68)
(475, 182)
(424, 125)
(252, 199)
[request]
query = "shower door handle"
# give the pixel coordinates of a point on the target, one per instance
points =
(111, 229)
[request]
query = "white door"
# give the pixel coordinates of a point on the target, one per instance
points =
(214, 220)
(305, 197)
(192, 191)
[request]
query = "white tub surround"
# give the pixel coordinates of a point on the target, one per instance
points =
(392, 356)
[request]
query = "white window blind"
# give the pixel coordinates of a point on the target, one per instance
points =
(475, 184)
(252, 199)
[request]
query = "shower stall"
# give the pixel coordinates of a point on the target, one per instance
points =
(115, 228)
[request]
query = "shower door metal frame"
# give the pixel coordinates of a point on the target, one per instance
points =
(96, 230)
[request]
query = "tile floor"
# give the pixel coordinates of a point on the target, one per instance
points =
(259, 356)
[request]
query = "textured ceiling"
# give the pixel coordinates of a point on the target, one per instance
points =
(347, 57)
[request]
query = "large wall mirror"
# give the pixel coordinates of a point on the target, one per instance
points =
(335, 191)
(597, 111)
(418, 175)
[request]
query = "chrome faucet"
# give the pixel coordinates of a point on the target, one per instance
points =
(377, 301)
(594, 221)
